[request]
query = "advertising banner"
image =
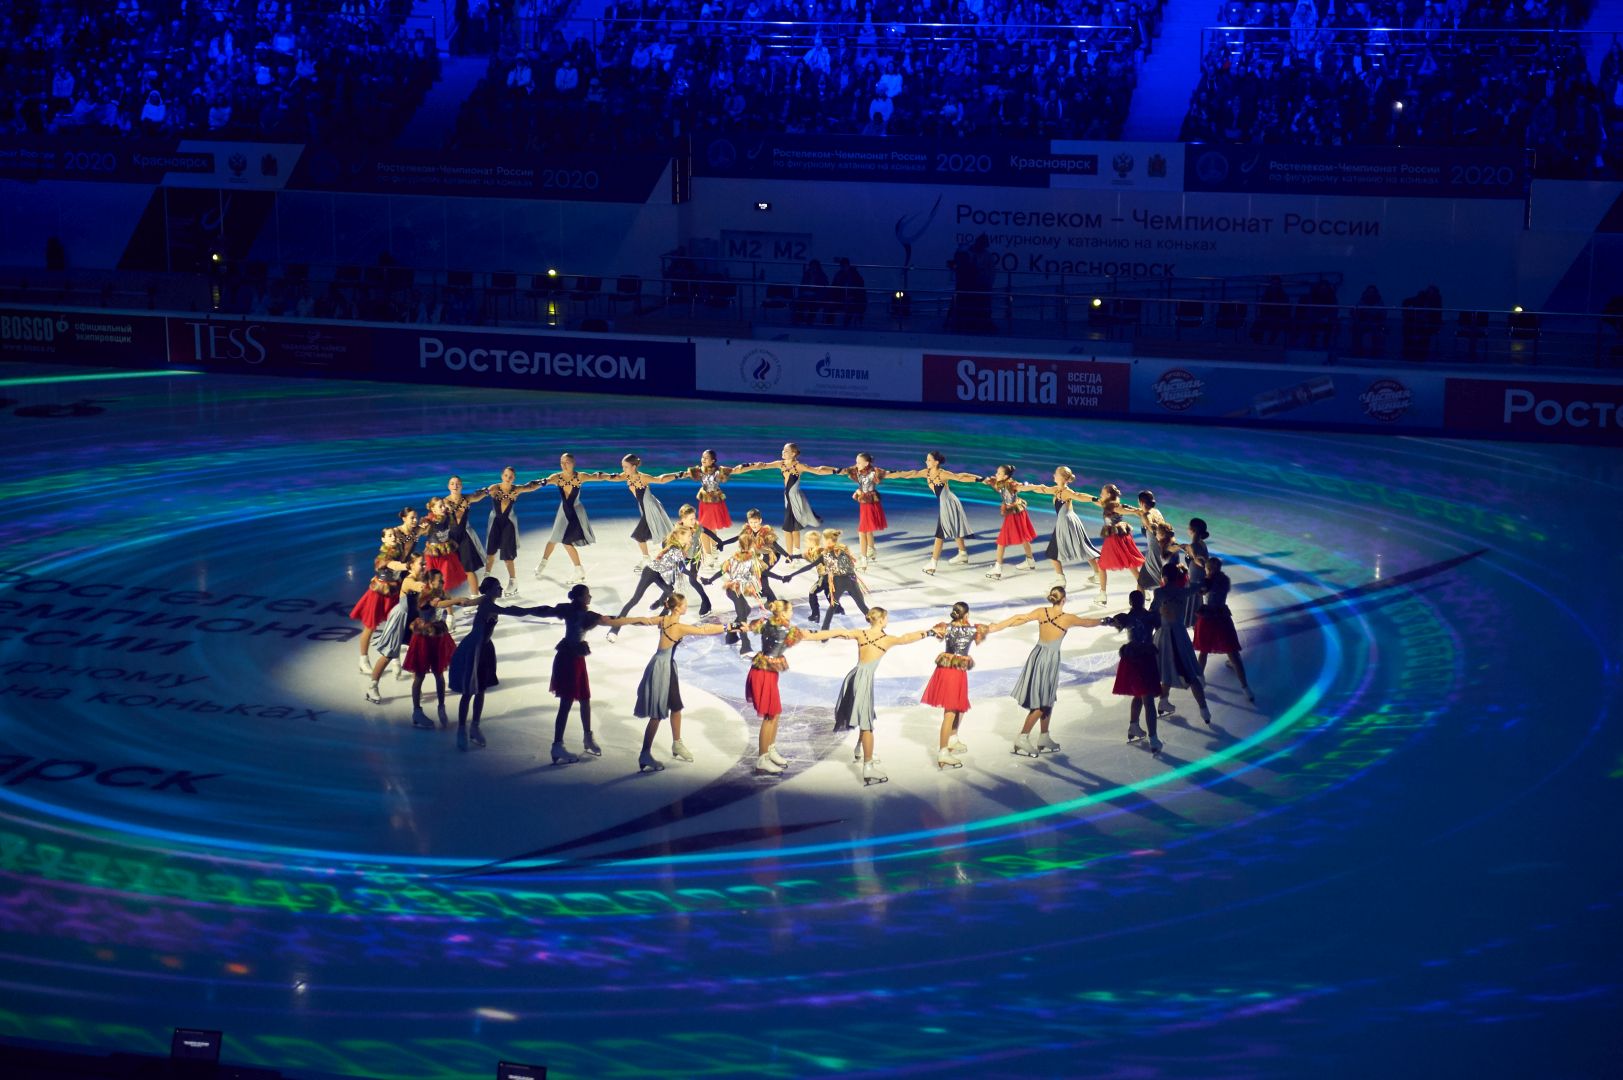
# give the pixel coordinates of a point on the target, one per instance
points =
(433, 354)
(172, 163)
(560, 362)
(1066, 163)
(264, 347)
(786, 369)
(1384, 172)
(1060, 387)
(77, 337)
(1172, 389)
(1535, 409)
(623, 178)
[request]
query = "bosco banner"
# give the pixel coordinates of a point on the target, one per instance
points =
(1173, 389)
(81, 337)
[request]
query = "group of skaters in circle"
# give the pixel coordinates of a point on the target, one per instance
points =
(1177, 614)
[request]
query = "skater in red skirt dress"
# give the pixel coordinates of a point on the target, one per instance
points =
(713, 513)
(1117, 551)
(1017, 527)
(778, 634)
(431, 645)
(440, 547)
(1138, 673)
(570, 683)
(383, 591)
(870, 511)
(1214, 624)
(948, 688)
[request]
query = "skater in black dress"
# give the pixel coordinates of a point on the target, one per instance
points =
(501, 535)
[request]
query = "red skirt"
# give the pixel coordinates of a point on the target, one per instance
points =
(1215, 633)
(428, 652)
(372, 608)
(714, 516)
(1120, 553)
(948, 689)
(1138, 674)
(761, 691)
(871, 517)
(450, 566)
(1016, 529)
(569, 677)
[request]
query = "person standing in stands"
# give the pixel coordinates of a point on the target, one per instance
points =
(851, 292)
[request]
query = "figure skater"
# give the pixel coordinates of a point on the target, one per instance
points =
(713, 513)
(570, 682)
(811, 553)
(797, 512)
(1214, 626)
(394, 634)
(951, 522)
(688, 518)
(570, 527)
(383, 590)
(431, 646)
(469, 551)
(743, 586)
(870, 511)
(1037, 687)
(1196, 554)
(1016, 527)
(1070, 542)
(473, 664)
(948, 688)
(501, 530)
(1175, 654)
(1116, 550)
(767, 548)
(659, 694)
(441, 544)
(1150, 520)
(660, 572)
(1138, 673)
(839, 575)
(855, 705)
(778, 634)
(653, 523)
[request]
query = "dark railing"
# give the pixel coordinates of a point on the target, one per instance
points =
(1243, 326)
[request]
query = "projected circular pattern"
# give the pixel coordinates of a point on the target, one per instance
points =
(1370, 608)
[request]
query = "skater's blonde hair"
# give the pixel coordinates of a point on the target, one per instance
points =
(674, 539)
(832, 536)
(875, 614)
(780, 608)
(1065, 474)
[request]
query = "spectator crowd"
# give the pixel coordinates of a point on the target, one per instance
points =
(667, 68)
(332, 70)
(1438, 72)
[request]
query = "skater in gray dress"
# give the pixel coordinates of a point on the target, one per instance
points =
(1037, 688)
(855, 707)
(1070, 541)
(570, 527)
(653, 523)
(1176, 653)
(1150, 520)
(951, 522)
(797, 512)
(659, 694)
